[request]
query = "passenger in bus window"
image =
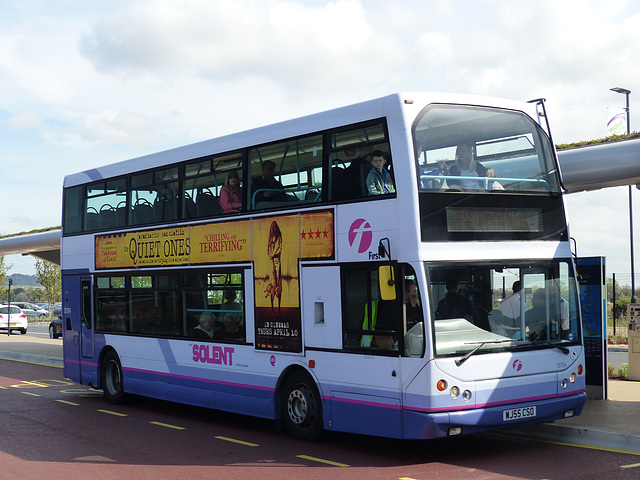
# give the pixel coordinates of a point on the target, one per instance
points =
(205, 327)
(231, 194)
(493, 184)
(505, 320)
(466, 166)
(273, 189)
(455, 305)
(412, 308)
(536, 316)
(565, 326)
(230, 303)
(510, 306)
(119, 320)
(379, 181)
(229, 330)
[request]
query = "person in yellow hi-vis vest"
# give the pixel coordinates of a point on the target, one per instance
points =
(384, 342)
(365, 341)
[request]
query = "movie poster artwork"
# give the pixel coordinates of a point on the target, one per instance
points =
(275, 244)
(278, 244)
(276, 250)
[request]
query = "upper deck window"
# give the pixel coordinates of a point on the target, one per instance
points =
(286, 173)
(482, 150)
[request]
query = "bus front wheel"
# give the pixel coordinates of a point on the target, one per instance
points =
(302, 407)
(112, 378)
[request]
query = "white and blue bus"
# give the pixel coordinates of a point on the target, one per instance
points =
(400, 267)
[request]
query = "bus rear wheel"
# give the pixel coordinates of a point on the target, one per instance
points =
(112, 378)
(302, 407)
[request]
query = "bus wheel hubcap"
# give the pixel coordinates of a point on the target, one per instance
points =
(297, 407)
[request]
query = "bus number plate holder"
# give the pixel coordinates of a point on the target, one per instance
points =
(518, 413)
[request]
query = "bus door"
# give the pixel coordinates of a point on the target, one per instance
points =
(367, 396)
(86, 319)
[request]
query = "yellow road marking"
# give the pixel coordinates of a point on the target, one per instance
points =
(113, 413)
(566, 444)
(27, 384)
(329, 462)
(634, 465)
(227, 439)
(167, 425)
(32, 394)
(33, 363)
(68, 403)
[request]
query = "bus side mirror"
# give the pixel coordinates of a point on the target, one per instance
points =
(387, 281)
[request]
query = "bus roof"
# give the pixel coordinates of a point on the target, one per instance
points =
(367, 110)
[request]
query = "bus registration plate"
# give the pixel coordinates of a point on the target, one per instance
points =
(518, 413)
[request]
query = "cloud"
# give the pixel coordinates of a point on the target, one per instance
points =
(25, 120)
(298, 46)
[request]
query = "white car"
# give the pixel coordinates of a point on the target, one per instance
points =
(31, 310)
(15, 319)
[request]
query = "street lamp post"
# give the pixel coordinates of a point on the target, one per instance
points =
(633, 279)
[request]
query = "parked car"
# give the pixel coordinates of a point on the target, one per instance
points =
(57, 309)
(55, 328)
(14, 319)
(31, 310)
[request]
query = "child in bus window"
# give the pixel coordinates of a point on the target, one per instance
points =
(379, 181)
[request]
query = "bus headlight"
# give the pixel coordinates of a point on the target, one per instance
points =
(564, 383)
(441, 385)
(454, 392)
(466, 395)
(572, 378)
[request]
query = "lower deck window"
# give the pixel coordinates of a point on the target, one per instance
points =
(207, 305)
(375, 325)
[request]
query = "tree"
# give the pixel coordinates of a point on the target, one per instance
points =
(4, 269)
(49, 277)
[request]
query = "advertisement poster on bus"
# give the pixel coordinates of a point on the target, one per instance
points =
(275, 252)
(278, 243)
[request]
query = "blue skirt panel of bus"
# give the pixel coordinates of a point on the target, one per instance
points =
(430, 425)
(221, 393)
(366, 414)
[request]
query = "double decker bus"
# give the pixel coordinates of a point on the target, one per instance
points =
(400, 267)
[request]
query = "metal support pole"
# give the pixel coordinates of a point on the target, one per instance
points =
(9, 308)
(613, 312)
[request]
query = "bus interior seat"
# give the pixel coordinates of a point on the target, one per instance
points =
(165, 210)
(339, 183)
(91, 219)
(208, 204)
(365, 169)
(121, 214)
(107, 217)
(189, 207)
(142, 212)
(346, 181)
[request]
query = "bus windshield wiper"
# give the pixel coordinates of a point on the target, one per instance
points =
(548, 343)
(461, 360)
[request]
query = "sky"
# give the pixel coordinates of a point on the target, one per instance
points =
(84, 84)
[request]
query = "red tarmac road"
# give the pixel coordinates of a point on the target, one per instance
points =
(55, 429)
